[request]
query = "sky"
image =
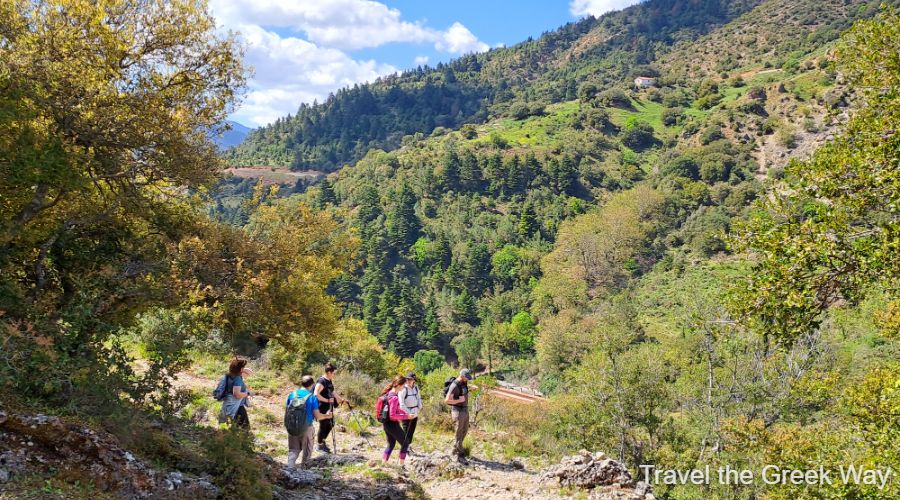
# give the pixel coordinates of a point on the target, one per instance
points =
(302, 50)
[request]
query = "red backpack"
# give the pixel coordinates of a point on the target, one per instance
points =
(382, 409)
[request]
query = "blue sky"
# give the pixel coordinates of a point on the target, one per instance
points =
(301, 50)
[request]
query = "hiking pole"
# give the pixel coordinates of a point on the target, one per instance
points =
(333, 428)
(362, 431)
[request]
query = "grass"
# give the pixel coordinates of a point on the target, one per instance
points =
(535, 131)
(643, 110)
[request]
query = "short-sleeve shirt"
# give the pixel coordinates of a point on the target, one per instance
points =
(230, 404)
(458, 389)
(312, 403)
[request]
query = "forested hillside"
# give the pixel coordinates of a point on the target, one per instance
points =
(700, 272)
(514, 81)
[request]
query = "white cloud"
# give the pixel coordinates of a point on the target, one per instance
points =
(459, 40)
(420, 61)
(290, 71)
(582, 8)
(298, 48)
(344, 24)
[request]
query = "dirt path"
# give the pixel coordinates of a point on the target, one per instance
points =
(359, 456)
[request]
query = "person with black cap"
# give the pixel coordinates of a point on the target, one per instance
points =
(458, 399)
(411, 403)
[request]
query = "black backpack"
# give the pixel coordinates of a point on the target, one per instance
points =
(382, 409)
(295, 415)
(447, 384)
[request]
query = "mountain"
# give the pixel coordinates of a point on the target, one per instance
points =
(234, 136)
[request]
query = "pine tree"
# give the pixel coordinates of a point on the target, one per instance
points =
(478, 270)
(402, 224)
(326, 195)
(465, 309)
(528, 223)
(469, 172)
(428, 338)
(451, 166)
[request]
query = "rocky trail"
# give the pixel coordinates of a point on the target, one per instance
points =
(36, 444)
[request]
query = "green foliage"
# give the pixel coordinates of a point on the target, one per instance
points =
(237, 469)
(427, 361)
(832, 228)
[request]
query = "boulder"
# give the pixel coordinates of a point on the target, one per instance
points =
(607, 478)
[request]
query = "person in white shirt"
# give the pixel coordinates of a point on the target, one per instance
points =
(410, 402)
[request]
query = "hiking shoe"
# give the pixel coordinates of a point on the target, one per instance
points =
(462, 460)
(324, 448)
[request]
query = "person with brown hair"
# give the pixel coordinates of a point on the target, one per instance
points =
(395, 415)
(235, 394)
(328, 401)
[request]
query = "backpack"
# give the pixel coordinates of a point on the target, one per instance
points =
(295, 415)
(224, 387)
(447, 384)
(382, 409)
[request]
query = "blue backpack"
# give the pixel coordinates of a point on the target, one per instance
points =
(224, 388)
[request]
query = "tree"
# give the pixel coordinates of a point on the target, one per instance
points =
(106, 109)
(403, 225)
(427, 361)
(468, 349)
(637, 135)
(832, 229)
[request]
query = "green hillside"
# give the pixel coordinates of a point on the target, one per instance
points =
(700, 273)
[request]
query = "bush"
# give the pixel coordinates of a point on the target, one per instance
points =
(638, 136)
(671, 116)
(616, 98)
(427, 361)
(711, 133)
(357, 387)
(236, 468)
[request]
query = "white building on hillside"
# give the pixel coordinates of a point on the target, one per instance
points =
(643, 82)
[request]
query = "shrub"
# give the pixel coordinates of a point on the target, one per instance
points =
(236, 468)
(357, 387)
(682, 167)
(427, 361)
(638, 136)
(671, 116)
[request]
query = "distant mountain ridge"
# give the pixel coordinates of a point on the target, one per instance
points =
(234, 136)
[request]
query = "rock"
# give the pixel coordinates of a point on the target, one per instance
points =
(516, 464)
(4, 475)
(437, 465)
(607, 478)
(48, 440)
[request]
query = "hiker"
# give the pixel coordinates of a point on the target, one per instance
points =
(235, 394)
(391, 418)
(328, 401)
(458, 399)
(301, 446)
(411, 403)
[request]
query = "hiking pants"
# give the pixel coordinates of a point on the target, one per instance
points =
(301, 446)
(409, 428)
(241, 419)
(461, 425)
(395, 435)
(326, 425)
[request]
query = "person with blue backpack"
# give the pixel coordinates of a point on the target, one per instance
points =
(301, 409)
